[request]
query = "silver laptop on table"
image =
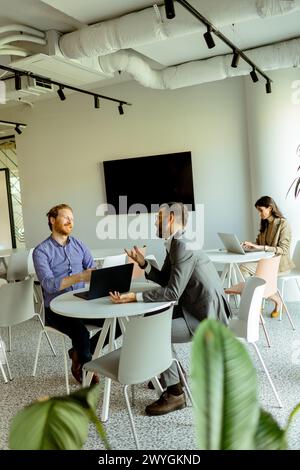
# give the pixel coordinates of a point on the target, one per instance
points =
(233, 245)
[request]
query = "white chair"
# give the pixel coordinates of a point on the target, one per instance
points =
(17, 268)
(145, 353)
(38, 296)
(114, 260)
(267, 269)
(246, 326)
(93, 329)
(16, 271)
(16, 300)
(294, 274)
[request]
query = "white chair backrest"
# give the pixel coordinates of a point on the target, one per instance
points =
(16, 301)
(30, 265)
(17, 269)
(146, 350)
(267, 269)
(249, 310)
(114, 260)
(296, 255)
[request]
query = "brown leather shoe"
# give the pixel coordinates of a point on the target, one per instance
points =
(95, 379)
(166, 404)
(76, 367)
(77, 374)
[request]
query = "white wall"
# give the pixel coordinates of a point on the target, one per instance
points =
(61, 149)
(274, 136)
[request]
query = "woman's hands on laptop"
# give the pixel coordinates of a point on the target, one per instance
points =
(118, 298)
(252, 246)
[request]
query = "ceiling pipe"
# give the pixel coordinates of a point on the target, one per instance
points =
(145, 27)
(280, 55)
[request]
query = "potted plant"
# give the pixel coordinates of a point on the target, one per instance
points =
(227, 412)
(57, 423)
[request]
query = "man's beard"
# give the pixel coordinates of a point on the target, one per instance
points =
(62, 230)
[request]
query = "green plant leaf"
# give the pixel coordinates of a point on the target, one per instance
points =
(224, 389)
(269, 436)
(53, 424)
(88, 397)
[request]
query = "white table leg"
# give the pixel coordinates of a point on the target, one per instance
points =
(229, 282)
(239, 273)
(99, 347)
(106, 393)
(224, 275)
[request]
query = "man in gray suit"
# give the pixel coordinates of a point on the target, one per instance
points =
(190, 279)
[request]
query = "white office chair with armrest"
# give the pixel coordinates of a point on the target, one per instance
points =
(16, 300)
(246, 326)
(145, 353)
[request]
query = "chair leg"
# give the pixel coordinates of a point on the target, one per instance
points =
(46, 334)
(286, 309)
(182, 377)
(66, 364)
(263, 324)
(268, 375)
(281, 296)
(125, 389)
(157, 386)
(9, 339)
(3, 373)
(37, 352)
(7, 365)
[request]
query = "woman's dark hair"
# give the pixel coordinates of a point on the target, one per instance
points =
(267, 201)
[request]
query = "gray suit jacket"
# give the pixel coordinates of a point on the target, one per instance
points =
(191, 279)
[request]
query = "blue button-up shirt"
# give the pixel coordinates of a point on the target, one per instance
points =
(53, 262)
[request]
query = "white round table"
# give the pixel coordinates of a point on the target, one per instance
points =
(70, 306)
(231, 273)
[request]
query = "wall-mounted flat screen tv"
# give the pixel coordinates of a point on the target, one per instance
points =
(150, 180)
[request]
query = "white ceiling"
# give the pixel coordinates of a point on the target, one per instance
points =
(69, 15)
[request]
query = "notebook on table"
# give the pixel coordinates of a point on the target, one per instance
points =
(106, 280)
(233, 245)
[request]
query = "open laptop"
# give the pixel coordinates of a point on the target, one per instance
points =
(233, 245)
(106, 280)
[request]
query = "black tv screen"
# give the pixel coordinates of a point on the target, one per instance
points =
(150, 181)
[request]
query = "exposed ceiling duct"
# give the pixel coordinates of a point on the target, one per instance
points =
(282, 55)
(95, 52)
(108, 40)
(149, 25)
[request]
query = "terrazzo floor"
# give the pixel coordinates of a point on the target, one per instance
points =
(173, 431)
